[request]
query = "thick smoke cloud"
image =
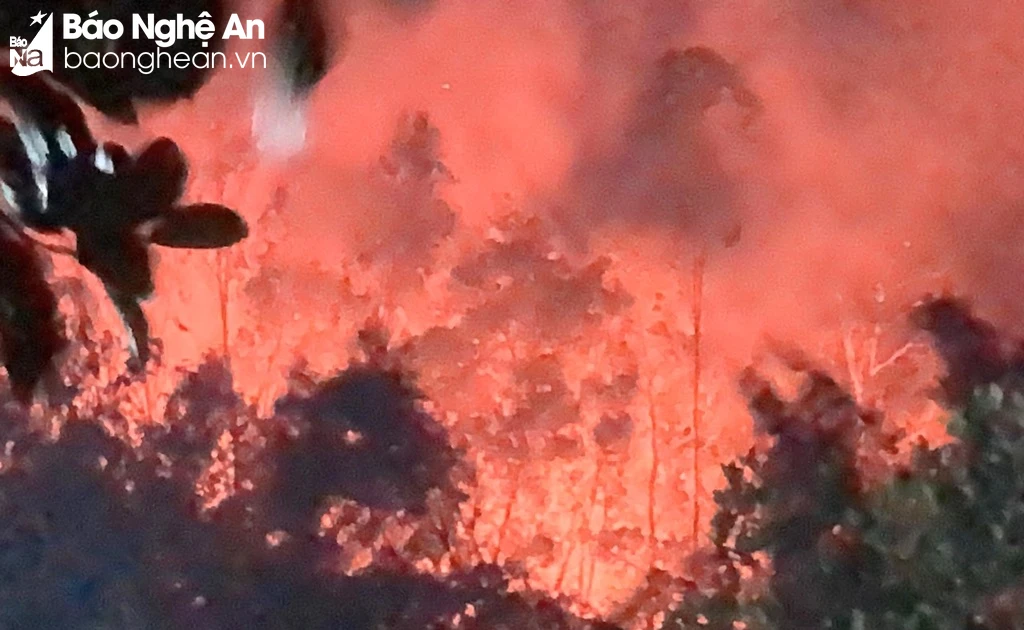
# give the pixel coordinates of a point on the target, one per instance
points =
(882, 136)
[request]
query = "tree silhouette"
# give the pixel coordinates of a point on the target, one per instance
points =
(95, 533)
(937, 545)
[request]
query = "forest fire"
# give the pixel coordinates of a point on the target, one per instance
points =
(521, 286)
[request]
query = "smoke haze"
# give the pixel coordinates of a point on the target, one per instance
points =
(497, 181)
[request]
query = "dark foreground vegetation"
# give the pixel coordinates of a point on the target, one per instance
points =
(816, 528)
(97, 534)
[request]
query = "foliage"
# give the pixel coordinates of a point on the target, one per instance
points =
(937, 546)
(95, 533)
(58, 179)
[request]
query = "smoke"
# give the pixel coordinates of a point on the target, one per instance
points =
(518, 191)
(855, 143)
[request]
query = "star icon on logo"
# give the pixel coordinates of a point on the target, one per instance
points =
(38, 18)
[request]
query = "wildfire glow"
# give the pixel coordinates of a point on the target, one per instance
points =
(537, 269)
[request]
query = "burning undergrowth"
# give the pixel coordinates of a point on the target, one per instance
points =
(350, 504)
(342, 509)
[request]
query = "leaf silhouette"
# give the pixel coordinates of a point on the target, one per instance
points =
(120, 260)
(16, 172)
(160, 173)
(29, 329)
(303, 44)
(120, 160)
(51, 113)
(116, 204)
(129, 307)
(199, 226)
